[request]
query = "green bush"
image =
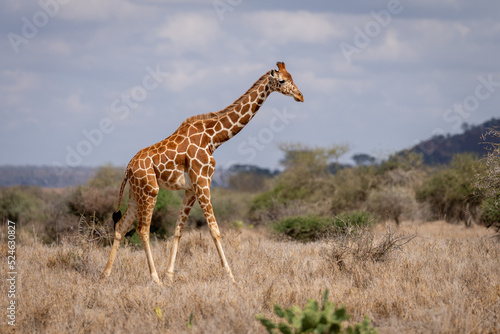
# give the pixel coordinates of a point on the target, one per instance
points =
(314, 319)
(19, 204)
(351, 187)
(313, 227)
(303, 228)
(354, 218)
(107, 176)
(490, 215)
(488, 180)
(165, 213)
(450, 193)
(41, 212)
(267, 205)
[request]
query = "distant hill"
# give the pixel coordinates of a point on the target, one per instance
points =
(44, 176)
(440, 149)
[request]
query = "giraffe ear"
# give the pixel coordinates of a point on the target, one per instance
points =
(281, 66)
(273, 73)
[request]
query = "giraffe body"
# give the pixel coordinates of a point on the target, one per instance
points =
(184, 161)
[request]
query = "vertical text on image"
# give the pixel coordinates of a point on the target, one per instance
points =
(12, 272)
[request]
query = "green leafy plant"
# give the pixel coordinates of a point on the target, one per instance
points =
(488, 180)
(314, 319)
(189, 325)
(313, 227)
(451, 193)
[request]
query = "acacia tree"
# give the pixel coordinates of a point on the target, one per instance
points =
(307, 168)
(312, 160)
(306, 178)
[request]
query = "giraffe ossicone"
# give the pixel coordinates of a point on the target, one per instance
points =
(184, 161)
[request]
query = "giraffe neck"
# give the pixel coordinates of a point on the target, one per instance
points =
(234, 118)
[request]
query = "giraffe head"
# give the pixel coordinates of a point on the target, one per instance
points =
(282, 82)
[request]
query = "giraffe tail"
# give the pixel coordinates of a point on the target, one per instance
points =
(118, 214)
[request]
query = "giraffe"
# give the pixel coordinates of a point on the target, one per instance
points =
(184, 161)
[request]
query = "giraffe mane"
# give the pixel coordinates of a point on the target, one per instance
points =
(222, 112)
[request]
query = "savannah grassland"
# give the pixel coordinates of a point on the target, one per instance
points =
(445, 280)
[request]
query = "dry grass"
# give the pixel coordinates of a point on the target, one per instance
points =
(447, 280)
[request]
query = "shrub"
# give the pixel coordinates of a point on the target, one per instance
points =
(99, 196)
(490, 214)
(314, 319)
(303, 228)
(358, 243)
(90, 200)
(19, 204)
(107, 176)
(313, 227)
(488, 180)
(268, 205)
(356, 218)
(351, 187)
(37, 211)
(392, 202)
(450, 193)
(306, 178)
(165, 213)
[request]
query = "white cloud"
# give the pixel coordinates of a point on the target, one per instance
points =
(283, 27)
(73, 104)
(15, 86)
(313, 82)
(59, 48)
(188, 32)
(184, 75)
(97, 10)
(393, 47)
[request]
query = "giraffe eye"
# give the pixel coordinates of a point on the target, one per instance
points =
(282, 81)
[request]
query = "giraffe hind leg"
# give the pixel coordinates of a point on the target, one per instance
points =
(116, 218)
(121, 226)
(145, 214)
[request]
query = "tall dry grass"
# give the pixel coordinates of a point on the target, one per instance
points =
(446, 280)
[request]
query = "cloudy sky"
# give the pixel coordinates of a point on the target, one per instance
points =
(85, 83)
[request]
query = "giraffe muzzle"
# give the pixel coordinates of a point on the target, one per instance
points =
(299, 97)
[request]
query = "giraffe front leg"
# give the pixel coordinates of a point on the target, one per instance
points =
(206, 205)
(187, 204)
